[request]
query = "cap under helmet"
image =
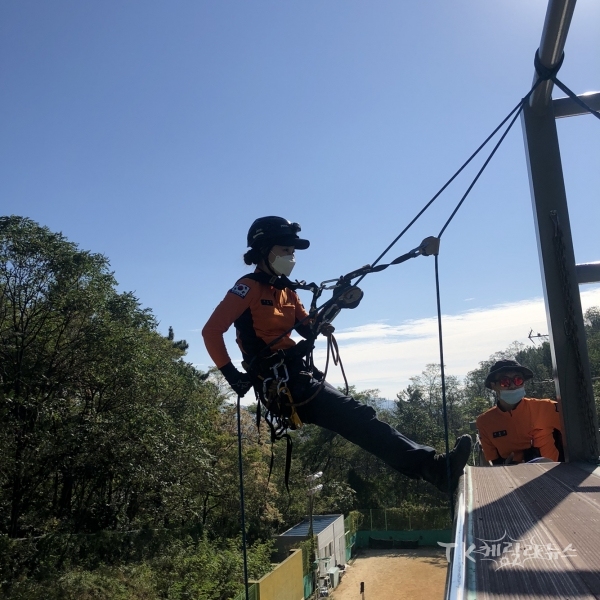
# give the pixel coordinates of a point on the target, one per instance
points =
(272, 231)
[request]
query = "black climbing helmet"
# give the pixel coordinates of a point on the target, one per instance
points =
(271, 231)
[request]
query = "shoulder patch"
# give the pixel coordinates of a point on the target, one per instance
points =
(239, 289)
(498, 434)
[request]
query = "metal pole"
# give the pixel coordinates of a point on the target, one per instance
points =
(242, 504)
(555, 248)
(552, 45)
(311, 493)
(567, 107)
(312, 545)
(588, 272)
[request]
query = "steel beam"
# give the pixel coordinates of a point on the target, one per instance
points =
(588, 272)
(554, 36)
(565, 107)
(555, 247)
(561, 291)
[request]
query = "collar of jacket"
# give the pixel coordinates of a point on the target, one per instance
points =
(279, 283)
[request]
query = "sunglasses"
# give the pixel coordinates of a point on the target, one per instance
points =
(505, 381)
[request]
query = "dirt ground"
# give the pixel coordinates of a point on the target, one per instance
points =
(395, 575)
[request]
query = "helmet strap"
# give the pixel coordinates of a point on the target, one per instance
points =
(264, 252)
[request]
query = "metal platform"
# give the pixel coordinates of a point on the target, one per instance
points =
(529, 532)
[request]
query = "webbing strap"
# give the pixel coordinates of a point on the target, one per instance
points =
(544, 72)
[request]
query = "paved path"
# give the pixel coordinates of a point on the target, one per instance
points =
(395, 575)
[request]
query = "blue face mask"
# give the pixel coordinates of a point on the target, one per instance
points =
(512, 396)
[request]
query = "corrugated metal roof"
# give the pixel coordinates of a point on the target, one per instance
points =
(533, 532)
(320, 523)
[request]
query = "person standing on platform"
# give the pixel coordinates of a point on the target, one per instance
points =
(518, 429)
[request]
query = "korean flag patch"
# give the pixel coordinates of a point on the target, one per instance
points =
(239, 289)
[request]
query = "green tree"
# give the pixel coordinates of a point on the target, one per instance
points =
(592, 330)
(103, 425)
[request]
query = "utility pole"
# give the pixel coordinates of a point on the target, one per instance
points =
(311, 494)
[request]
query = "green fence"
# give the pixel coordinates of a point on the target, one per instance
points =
(429, 537)
(350, 543)
(252, 593)
(402, 519)
(308, 586)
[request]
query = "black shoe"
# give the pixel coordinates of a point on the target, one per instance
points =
(436, 471)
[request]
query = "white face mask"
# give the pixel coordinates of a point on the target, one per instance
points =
(283, 265)
(512, 397)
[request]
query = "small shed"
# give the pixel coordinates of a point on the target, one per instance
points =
(330, 540)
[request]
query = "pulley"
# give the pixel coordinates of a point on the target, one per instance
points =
(345, 297)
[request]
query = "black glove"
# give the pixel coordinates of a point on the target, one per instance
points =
(239, 382)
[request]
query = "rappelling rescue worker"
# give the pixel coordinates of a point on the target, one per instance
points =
(264, 310)
(518, 429)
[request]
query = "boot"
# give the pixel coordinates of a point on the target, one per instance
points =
(436, 471)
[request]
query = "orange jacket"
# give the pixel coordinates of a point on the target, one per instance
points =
(530, 424)
(260, 312)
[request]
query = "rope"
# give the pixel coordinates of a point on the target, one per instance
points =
(333, 352)
(485, 164)
(443, 376)
(514, 113)
(576, 98)
(518, 107)
(337, 360)
(242, 503)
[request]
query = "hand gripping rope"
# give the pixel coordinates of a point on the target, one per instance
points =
(346, 294)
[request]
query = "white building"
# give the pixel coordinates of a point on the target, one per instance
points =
(330, 541)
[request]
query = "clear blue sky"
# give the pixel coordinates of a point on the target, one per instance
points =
(155, 132)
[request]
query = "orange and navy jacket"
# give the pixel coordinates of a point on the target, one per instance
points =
(530, 424)
(260, 312)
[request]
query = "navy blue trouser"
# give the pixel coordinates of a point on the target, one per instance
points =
(358, 423)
